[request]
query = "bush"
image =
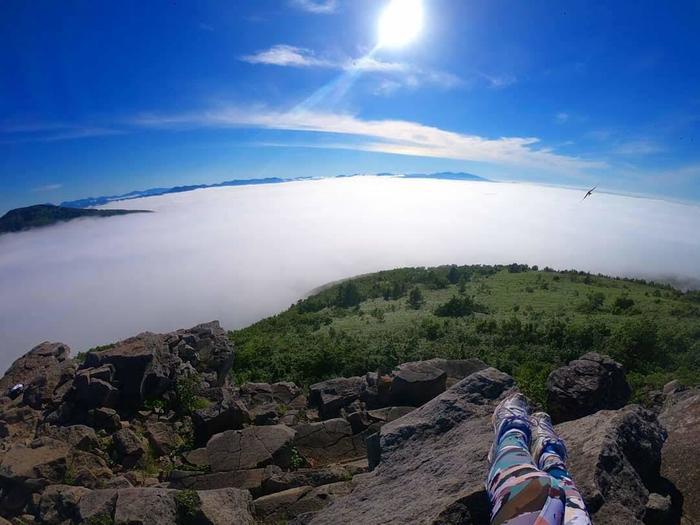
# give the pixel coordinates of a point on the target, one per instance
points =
(188, 505)
(593, 303)
(622, 304)
(458, 307)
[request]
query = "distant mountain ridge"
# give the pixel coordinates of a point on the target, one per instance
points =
(21, 219)
(152, 192)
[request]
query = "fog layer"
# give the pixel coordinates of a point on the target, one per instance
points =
(239, 254)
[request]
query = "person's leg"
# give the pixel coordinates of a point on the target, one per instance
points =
(519, 492)
(549, 454)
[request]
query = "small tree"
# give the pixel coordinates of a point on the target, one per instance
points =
(453, 275)
(415, 298)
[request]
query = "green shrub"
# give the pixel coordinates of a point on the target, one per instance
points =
(188, 506)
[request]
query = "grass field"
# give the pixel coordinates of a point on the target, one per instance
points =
(523, 320)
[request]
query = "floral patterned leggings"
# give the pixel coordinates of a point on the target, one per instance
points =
(532, 491)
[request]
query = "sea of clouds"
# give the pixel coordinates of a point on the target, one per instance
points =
(239, 254)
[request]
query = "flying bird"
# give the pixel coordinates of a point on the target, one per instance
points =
(590, 192)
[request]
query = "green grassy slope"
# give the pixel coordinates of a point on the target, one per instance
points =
(519, 319)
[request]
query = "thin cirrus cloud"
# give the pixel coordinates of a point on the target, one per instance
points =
(47, 187)
(283, 55)
(318, 7)
(398, 137)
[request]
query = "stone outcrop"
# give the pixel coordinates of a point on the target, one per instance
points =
(148, 430)
(614, 457)
(588, 384)
(680, 462)
(147, 365)
(431, 462)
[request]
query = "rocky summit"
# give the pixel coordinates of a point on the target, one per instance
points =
(150, 430)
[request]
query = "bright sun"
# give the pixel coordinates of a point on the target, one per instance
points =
(400, 22)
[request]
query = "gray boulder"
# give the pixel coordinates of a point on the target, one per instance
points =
(43, 370)
(614, 458)
(329, 397)
(104, 418)
(59, 503)
(129, 447)
(588, 384)
(250, 448)
(228, 414)
(433, 462)
(163, 438)
(414, 384)
(80, 437)
(93, 388)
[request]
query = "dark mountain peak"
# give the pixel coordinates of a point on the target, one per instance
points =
(46, 214)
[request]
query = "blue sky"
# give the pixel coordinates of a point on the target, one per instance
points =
(106, 97)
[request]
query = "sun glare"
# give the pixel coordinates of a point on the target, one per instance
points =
(400, 22)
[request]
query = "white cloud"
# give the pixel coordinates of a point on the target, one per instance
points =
(562, 117)
(239, 254)
(319, 7)
(388, 136)
(638, 147)
(283, 55)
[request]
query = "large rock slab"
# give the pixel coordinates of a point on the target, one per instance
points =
(43, 462)
(680, 462)
(329, 441)
(433, 461)
(414, 384)
(588, 384)
(145, 506)
(614, 457)
(250, 448)
(298, 505)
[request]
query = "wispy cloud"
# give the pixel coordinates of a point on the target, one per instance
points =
(387, 136)
(284, 55)
(319, 7)
(498, 81)
(47, 187)
(51, 132)
(404, 74)
(562, 117)
(638, 147)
